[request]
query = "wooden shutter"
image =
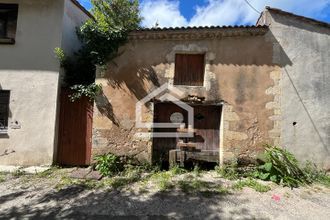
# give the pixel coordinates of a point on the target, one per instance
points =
(189, 69)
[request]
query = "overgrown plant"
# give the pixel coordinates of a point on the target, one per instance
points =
(108, 164)
(281, 167)
(314, 174)
(89, 91)
(228, 171)
(100, 38)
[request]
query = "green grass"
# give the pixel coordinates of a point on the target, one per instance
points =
(176, 170)
(163, 180)
(228, 171)
(324, 180)
(18, 172)
(48, 173)
(251, 183)
(2, 177)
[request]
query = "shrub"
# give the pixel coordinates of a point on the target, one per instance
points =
(108, 164)
(281, 167)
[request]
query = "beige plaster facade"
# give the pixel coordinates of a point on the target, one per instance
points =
(239, 72)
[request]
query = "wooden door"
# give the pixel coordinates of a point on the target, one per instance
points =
(75, 131)
(206, 125)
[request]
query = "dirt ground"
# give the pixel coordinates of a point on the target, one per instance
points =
(54, 195)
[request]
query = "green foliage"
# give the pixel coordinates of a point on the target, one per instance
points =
(103, 35)
(249, 182)
(176, 170)
(281, 167)
(313, 174)
(2, 177)
(228, 171)
(18, 172)
(101, 38)
(163, 180)
(108, 164)
(89, 91)
(60, 55)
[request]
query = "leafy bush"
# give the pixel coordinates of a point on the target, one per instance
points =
(89, 91)
(281, 167)
(108, 164)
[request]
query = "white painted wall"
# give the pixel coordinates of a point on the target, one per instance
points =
(30, 70)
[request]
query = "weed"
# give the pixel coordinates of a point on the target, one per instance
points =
(176, 170)
(197, 170)
(18, 172)
(2, 177)
(193, 186)
(163, 180)
(252, 184)
(222, 190)
(314, 174)
(228, 171)
(281, 167)
(108, 164)
(48, 173)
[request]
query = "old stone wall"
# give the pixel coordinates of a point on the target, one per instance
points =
(239, 71)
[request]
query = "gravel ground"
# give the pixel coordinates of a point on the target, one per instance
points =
(35, 197)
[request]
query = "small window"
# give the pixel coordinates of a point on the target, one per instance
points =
(189, 69)
(4, 110)
(8, 22)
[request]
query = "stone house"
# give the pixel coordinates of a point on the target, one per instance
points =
(233, 91)
(30, 75)
(237, 81)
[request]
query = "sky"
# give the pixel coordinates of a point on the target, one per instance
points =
(178, 13)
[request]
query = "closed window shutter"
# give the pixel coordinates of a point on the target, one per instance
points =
(189, 69)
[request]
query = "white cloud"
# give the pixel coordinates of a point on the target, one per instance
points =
(224, 12)
(165, 13)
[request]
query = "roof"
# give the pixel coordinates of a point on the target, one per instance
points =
(198, 32)
(302, 18)
(82, 8)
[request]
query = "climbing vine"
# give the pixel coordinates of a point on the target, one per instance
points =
(100, 38)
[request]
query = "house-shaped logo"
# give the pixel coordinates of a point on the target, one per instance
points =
(171, 94)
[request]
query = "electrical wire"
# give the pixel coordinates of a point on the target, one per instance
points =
(251, 6)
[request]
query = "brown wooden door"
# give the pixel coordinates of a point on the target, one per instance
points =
(206, 125)
(75, 131)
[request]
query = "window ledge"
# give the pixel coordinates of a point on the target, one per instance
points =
(3, 132)
(7, 41)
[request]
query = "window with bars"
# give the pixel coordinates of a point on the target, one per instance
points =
(4, 110)
(8, 22)
(189, 69)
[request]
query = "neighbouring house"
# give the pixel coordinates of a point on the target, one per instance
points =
(302, 48)
(30, 76)
(248, 86)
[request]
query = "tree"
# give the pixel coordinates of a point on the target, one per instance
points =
(114, 19)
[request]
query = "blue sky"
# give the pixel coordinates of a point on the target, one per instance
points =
(173, 13)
